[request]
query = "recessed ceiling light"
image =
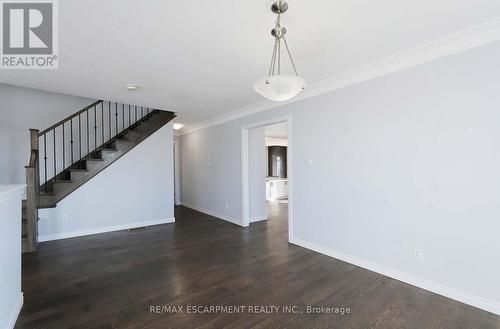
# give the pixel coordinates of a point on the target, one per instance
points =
(131, 87)
(178, 126)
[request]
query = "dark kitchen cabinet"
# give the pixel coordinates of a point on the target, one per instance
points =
(277, 161)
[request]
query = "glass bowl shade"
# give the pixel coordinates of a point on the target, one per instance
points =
(280, 87)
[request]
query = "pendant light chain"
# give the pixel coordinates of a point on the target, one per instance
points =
(290, 55)
(278, 37)
(279, 56)
(279, 34)
(273, 58)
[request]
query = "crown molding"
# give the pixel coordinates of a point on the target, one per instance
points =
(469, 38)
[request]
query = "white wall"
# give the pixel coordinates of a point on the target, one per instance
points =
(210, 175)
(177, 168)
(11, 297)
(257, 173)
(136, 190)
(408, 160)
(20, 110)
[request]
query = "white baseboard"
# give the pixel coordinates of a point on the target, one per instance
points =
(15, 312)
(461, 296)
(258, 219)
(98, 230)
(213, 214)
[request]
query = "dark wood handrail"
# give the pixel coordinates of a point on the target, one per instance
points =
(70, 117)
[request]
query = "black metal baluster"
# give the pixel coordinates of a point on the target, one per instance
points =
(116, 119)
(45, 159)
(71, 125)
(63, 148)
(102, 122)
(142, 112)
(123, 117)
(95, 128)
(136, 113)
(88, 135)
(129, 115)
(109, 118)
(80, 134)
(55, 161)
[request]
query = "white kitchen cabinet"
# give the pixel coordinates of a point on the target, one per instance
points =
(276, 189)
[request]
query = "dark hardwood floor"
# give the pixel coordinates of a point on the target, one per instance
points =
(112, 280)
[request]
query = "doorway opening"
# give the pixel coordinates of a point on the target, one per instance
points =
(267, 172)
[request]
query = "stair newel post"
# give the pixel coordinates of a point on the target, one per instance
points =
(32, 191)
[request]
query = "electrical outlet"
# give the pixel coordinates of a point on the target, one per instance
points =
(65, 217)
(227, 205)
(418, 254)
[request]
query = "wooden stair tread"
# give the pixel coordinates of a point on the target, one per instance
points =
(46, 205)
(47, 193)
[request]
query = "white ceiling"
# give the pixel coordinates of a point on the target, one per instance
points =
(200, 58)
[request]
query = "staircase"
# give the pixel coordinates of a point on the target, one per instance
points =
(71, 152)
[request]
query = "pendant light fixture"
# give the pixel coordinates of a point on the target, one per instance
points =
(277, 86)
